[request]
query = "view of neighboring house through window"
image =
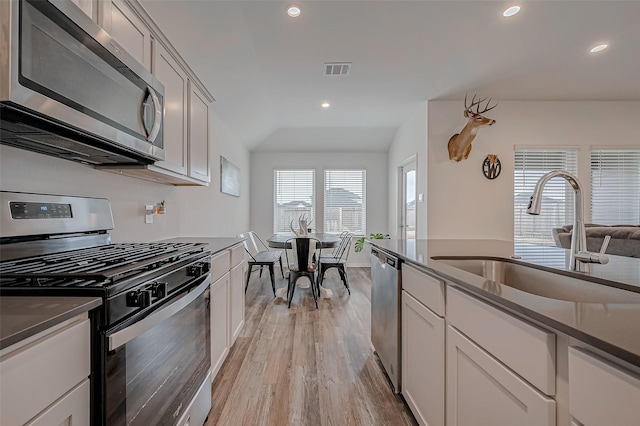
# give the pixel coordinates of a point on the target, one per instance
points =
(294, 195)
(557, 198)
(344, 201)
(615, 187)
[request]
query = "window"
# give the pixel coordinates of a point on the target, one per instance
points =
(294, 195)
(557, 198)
(615, 187)
(344, 201)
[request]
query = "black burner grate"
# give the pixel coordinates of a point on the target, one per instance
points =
(92, 267)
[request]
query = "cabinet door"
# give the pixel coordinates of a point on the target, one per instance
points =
(236, 315)
(87, 6)
(172, 76)
(601, 392)
(219, 308)
(482, 391)
(124, 25)
(198, 135)
(72, 409)
(422, 361)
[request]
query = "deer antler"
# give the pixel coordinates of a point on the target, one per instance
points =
(477, 104)
(486, 108)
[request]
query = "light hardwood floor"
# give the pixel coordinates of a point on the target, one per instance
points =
(306, 366)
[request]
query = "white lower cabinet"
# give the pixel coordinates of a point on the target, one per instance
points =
(600, 392)
(482, 391)
(72, 409)
(45, 382)
(423, 373)
(219, 310)
(236, 314)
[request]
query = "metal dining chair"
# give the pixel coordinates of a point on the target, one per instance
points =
(260, 255)
(339, 261)
(305, 254)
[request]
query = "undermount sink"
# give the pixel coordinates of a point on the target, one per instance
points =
(545, 283)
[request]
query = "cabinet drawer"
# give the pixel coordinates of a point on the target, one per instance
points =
(36, 375)
(238, 254)
(427, 289)
(220, 265)
(601, 393)
(526, 349)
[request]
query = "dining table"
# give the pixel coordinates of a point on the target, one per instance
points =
(280, 241)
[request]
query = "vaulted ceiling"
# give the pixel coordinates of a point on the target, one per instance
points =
(266, 69)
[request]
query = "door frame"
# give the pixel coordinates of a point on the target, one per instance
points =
(401, 202)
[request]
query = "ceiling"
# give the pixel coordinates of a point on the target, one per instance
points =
(267, 75)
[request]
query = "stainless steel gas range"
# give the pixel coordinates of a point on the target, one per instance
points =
(150, 338)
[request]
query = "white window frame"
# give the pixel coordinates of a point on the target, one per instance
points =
(529, 232)
(615, 189)
(283, 216)
(358, 189)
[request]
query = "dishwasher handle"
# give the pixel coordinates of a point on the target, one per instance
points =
(386, 258)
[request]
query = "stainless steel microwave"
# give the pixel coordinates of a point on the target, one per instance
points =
(69, 90)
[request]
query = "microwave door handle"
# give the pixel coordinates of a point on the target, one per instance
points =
(157, 120)
(125, 335)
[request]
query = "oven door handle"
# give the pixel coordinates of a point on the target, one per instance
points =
(125, 335)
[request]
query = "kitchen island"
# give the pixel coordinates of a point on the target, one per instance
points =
(533, 359)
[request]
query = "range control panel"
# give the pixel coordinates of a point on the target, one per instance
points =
(26, 210)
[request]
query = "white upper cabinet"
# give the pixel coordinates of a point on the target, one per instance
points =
(175, 82)
(88, 6)
(127, 28)
(198, 135)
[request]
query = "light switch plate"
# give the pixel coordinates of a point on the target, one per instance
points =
(148, 218)
(420, 198)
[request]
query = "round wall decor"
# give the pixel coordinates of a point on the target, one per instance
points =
(491, 166)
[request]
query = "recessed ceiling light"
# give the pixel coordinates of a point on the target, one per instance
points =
(511, 11)
(599, 48)
(325, 105)
(294, 10)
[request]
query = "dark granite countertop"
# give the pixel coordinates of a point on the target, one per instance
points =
(611, 327)
(22, 317)
(216, 244)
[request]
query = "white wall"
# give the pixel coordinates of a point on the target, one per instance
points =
(201, 211)
(462, 203)
(264, 163)
(411, 139)
(207, 211)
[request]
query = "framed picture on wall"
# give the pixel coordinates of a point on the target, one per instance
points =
(229, 177)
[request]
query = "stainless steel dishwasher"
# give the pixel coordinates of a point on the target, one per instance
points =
(385, 313)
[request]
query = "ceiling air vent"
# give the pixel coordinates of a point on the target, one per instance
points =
(337, 68)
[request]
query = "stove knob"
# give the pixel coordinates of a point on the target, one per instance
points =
(159, 290)
(194, 270)
(139, 299)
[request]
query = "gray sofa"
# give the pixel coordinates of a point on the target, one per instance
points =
(625, 239)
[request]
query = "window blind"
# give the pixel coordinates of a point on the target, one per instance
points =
(344, 201)
(294, 196)
(615, 187)
(557, 197)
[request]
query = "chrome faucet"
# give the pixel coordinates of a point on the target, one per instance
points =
(580, 258)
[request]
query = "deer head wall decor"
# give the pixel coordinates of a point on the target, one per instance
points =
(460, 143)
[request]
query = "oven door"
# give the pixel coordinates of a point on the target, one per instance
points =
(155, 366)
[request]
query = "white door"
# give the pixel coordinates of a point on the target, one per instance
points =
(407, 198)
